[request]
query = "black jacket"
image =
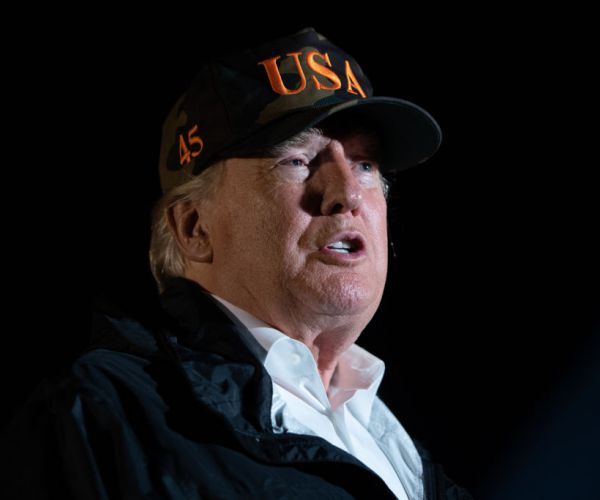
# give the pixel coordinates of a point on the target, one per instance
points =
(180, 410)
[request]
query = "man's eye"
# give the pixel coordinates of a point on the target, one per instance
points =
(296, 162)
(366, 166)
(296, 169)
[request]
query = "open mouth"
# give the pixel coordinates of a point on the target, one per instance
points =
(345, 246)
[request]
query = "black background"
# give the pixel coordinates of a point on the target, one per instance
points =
(487, 324)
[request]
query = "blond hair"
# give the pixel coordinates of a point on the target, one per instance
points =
(166, 260)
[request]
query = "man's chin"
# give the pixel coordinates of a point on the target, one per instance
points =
(342, 295)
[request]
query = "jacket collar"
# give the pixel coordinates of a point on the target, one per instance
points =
(208, 342)
(200, 322)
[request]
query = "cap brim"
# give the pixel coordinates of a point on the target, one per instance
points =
(409, 134)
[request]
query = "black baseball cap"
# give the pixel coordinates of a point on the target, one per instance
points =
(256, 98)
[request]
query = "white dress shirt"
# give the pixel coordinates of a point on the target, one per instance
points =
(342, 415)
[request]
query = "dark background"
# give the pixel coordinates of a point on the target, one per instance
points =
(489, 326)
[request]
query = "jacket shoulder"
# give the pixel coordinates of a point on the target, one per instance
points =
(58, 443)
(435, 481)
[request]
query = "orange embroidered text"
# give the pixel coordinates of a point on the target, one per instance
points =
(334, 81)
(192, 148)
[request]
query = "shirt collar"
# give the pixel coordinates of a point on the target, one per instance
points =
(355, 382)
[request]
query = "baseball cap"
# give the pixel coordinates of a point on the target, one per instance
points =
(258, 97)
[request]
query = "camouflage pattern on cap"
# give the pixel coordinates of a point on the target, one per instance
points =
(258, 97)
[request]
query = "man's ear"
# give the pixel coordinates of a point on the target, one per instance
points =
(188, 225)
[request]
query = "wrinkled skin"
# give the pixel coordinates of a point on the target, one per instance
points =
(261, 242)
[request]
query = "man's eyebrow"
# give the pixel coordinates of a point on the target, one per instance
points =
(312, 136)
(303, 139)
(372, 146)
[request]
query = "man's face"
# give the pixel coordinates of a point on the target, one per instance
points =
(303, 233)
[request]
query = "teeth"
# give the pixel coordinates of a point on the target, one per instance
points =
(341, 245)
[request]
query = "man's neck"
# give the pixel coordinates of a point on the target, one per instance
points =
(327, 337)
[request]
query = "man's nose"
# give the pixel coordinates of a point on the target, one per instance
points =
(341, 191)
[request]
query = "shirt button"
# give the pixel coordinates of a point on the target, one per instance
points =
(296, 358)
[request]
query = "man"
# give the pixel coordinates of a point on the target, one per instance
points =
(269, 248)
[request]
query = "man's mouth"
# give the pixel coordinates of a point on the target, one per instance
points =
(345, 246)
